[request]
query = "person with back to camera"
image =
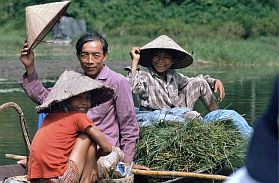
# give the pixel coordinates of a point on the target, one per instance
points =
(168, 95)
(64, 149)
(115, 118)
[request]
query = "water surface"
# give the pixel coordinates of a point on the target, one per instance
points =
(247, 91)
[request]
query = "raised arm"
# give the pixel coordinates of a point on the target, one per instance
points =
(30, 81)
(135, 56)
(135, 76)
(27, 59)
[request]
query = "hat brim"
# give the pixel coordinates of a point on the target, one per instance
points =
(98, 96)
(180, 59)
(70, 84)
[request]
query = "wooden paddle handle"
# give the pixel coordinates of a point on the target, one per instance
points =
(15, 157)
(179, 174)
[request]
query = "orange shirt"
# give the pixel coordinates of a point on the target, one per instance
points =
(53, 143)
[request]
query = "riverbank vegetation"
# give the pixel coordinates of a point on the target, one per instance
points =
(221, 32)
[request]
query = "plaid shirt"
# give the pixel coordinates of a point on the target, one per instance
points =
(176, 91)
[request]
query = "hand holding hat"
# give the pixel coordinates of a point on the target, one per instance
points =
(27, 59)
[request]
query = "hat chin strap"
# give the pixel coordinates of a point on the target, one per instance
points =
(56, 35)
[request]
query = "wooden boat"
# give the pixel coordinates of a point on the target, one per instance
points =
(140, 176)
(7, 171)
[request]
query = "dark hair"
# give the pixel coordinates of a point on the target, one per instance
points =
(91, 36)
(59, 106)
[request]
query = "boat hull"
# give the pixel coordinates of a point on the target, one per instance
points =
(11, 170)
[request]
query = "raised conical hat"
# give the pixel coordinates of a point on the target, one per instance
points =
(181, 58)
(70, 84)
(41, 18)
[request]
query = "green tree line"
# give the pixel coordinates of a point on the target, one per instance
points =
(187, 18)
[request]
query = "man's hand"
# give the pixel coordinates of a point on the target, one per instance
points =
(219, 86)
(27, 59)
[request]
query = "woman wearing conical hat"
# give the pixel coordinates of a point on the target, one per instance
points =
(169, 95)
(64, 149)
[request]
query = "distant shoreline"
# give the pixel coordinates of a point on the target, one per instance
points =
(51, 69)
(13, 69)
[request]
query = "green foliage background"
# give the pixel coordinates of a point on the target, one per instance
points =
(214, 29)
(232, 18)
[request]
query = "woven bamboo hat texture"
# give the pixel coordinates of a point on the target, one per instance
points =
(40, 19)
(181, 58)
(70, 84)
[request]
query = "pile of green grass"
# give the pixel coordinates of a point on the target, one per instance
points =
(192, 146)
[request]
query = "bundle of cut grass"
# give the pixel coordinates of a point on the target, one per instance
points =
(191, 146)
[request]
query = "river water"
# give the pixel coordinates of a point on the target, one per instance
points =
(247, 91)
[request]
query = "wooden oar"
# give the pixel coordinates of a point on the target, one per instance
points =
(153, 172)
(15, 157)
(179, 174)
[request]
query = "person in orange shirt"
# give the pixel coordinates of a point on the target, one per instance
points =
(65, 149)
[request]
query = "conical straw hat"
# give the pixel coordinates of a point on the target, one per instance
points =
(41, 18)
(70, 84)
(181, 57)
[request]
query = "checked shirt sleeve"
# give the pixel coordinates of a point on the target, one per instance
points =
(138, 83)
